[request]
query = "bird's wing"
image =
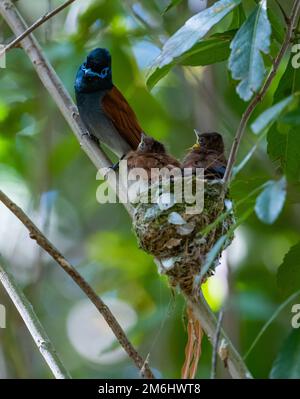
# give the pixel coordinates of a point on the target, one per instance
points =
(216, 165)
(216, 171)
(122, 116)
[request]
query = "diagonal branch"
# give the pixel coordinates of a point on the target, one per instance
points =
(34, 26)
(103, 309)
(55, 87)
(258, 98)
(33, 324)
(49, 78)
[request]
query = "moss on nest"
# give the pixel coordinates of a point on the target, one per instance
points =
(175, 236)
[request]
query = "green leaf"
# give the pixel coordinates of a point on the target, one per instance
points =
(287, 363)
(248, 156)
(288, 275)
(192, 31)
(206, 52)
(212, 255)
(210, 51)
(285, 148)
(274, 316)
(289, 83)
(283, 141)
(238, 17)
(156, 75)
(246, 63)
(172, 4)
(270, 202)
(291, 118)
(278, 31)
(268, 117)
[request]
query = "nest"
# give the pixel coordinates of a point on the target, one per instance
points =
(178, 238)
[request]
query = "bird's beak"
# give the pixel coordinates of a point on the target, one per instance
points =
(197, 133)
(87, 71)
(197, 145)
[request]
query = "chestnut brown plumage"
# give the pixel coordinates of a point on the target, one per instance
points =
(122, 116)
(207, 153)
(151, 154)
(103, 109)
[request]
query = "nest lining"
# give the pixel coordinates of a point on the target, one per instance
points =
(175, 236)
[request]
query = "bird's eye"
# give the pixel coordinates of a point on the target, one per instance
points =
(104, 73)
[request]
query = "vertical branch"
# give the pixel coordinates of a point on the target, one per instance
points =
(258, 98)
(33, 324)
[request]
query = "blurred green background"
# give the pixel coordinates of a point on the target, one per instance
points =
(44, 170)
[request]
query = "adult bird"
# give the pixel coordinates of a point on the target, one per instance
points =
(103, 109)
(207, 153)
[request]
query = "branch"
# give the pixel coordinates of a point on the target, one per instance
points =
(49, 78)
(55, 88)
(216, 345)
(258, 98)
(53, 84)
(202, 312)
(33, 324)
(103, 309)
(34, 26)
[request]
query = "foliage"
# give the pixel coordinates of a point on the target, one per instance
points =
(202, 77)
(270, 202)
(288, 276)
(246, 62)
(286, 364)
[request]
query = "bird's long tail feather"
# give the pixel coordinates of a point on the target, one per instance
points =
(193, 347)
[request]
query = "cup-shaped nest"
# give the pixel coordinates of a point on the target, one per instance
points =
(180, 234)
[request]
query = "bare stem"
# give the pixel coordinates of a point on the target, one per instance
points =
(33, 324)
(34, 26)
(258, 98)
(103, 309)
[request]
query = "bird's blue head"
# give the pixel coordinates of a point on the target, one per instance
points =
(95, 73)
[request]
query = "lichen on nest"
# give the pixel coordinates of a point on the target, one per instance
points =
(167, 229)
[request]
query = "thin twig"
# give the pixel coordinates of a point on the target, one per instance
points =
(216, 345)
(34, 26)
(103, 309)
(258, 98)
(33, 324)
(49, 78)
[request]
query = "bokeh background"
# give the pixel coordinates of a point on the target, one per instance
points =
(44, 170)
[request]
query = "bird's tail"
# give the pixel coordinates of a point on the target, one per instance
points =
(193, 346)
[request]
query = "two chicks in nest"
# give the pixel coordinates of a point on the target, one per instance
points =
(206, 153)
